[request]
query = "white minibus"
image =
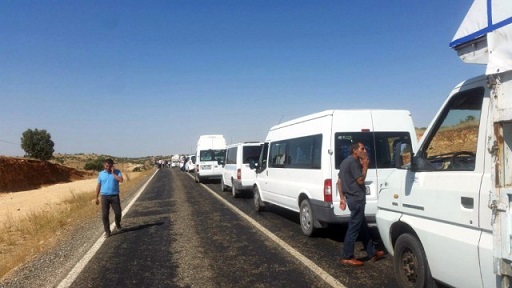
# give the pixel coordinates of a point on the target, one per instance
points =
(210, 153)
(299, 164)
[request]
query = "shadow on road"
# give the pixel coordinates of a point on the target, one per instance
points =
(139, 227)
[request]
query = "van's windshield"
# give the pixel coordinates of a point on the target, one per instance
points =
(380, 146)
(452, 143)
(212, 155)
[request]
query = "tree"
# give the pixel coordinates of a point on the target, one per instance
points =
(469, 118)
(37, 144)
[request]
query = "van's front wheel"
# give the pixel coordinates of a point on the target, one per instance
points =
(410, 263)
(258, 204)
(307, 218)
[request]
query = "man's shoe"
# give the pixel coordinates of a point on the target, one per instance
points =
(352, 262)
(378, 254)
(119, 229)
(107, 234)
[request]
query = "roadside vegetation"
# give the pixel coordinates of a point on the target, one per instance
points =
(23, 238)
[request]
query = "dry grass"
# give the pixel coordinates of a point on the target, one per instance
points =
(22, 239)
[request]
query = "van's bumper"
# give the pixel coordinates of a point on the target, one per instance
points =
(324, 213)
(243, 185)
(209, 176)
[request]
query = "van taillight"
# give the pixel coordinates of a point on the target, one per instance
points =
(238, 174)
(328, 190)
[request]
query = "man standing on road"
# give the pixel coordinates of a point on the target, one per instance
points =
(108, 186)
(353, 193)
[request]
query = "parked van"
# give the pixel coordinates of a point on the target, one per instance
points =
(190, 165)
(237, 174)
(210, 153)
(300, 160)
(447, 216)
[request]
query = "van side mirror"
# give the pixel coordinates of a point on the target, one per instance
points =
(253, 165)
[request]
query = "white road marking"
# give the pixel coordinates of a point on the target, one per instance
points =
(81, 264)
(309, 264)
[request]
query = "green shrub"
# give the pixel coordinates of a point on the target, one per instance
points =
(95, 164)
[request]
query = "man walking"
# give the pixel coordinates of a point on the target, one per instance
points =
(108, 186)
(353, 193)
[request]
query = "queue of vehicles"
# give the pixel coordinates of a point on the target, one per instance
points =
(442, 206)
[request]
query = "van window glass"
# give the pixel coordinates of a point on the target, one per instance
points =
(251, 153)
(277, 154)
(263, 157)
(302, 152)
(231, 155)
(212, 155)
(452, 143)
(380, 147)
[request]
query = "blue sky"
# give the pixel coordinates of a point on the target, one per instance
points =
(142, 78)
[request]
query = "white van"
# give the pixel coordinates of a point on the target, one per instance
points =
(210, 153)
(300, 160)
(237, 174)
(447, 217)
(190, 164)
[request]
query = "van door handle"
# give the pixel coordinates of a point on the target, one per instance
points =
(467, 202)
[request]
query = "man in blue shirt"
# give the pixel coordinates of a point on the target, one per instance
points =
(108, 186)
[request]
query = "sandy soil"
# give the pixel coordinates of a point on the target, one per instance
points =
(15, 205)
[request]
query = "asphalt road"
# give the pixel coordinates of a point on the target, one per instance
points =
(182, 234)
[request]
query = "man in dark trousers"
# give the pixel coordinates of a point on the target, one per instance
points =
(108, 186)
(353, 193)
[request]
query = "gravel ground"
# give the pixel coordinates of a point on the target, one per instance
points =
(49, 268)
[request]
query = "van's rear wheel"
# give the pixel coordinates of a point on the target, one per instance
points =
(198, 178)
(410, 264)
(307, 218)
(258, 204)
(234, 191)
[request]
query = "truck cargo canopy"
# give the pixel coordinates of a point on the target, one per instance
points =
(485, 35)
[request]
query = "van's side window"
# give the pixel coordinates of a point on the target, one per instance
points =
(251, 153)
(380, 146)
(231, 155)
(452, 143)
(263, 157)
(302, 152)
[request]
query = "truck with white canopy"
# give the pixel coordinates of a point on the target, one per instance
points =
(445, 217)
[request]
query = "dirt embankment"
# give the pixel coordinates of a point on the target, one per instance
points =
(19, 174)
(455, 138)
